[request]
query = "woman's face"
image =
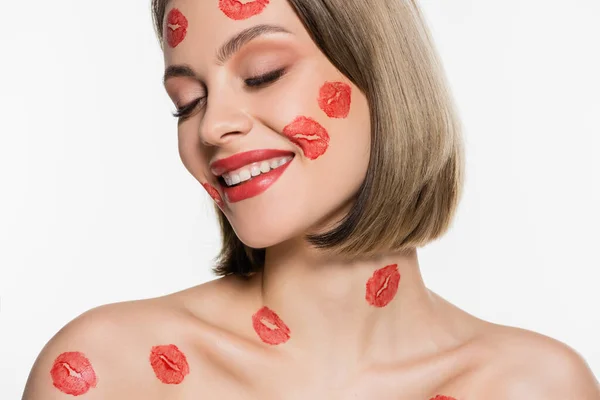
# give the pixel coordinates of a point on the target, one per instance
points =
(306, 108)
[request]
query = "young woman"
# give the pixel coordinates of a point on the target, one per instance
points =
(326, 135)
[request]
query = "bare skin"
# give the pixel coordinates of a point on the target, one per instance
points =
(340, 347)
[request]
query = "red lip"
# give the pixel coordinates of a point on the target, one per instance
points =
(169, 364)
(313, 147)
(383, 285)
(176, 35)
(253, 187)
(72, 373)
(236, 161)
(234, 9)
(280, 334)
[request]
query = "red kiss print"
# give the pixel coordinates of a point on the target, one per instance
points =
(313, 147)
(169, 364)
(214, 193)
(72, 373)
(440, 397)
(177, 25)
(279, 334)
(334, 99)
(383, 285)
(234, 9)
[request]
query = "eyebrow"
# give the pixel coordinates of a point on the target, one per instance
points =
(233, 45)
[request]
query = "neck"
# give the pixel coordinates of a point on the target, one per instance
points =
(323, 300)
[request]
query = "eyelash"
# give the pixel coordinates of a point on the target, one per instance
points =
(185, 111)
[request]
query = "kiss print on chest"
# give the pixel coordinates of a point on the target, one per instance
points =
(214, 193)
(169, 364)
(334, 99)
(440, 397)
(269, 327)
(177, 25)
(237, 10)
(72, 373)
(383, 286)
(307, 133)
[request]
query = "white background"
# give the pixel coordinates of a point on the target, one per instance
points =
(96, 207)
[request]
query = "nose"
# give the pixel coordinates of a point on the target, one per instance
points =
(225, 117)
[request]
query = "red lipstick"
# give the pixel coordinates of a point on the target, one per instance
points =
(334, 99)
(256, 185)
(72, 373)
(309, 135)
(383, 285)
(177, 25)
(440, 397)
(279, 334)
(214, 193)
(169, 364)
(234, 9)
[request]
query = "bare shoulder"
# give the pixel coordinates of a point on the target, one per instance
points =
(107, 351)
(522, 364)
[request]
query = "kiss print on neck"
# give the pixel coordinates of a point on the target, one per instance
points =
(335, 98)
(276, 332)
(309, 135)
(214, 193)
(177, 25)
(234, 9)
(169, 364)
(383, 286)
(440, 397)
(72, 373)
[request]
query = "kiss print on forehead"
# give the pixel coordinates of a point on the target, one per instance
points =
(72, 373)
(440, 397)
(214, 193)
(307, 133)
(177, 25)
(276, 333)
(169, 364)
(234, 9)
(334, 99)
(383, 286)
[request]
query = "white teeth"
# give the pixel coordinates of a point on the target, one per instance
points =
(253, 170)
(265, 167)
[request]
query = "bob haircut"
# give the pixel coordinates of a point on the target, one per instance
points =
(414, 179)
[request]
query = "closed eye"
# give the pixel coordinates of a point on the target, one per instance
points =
(186, 111)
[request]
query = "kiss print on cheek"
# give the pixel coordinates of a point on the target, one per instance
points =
(382, 286)
(276, 332)
(72, 373)
(335, 98)
(177, 25)
(234, 9)
(440, 397)
(169, 364)
(214, 193)
(309, 135)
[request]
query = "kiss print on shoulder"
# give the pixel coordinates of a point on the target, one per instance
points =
(276, 333)
(334, 99)
(440, 397)
(72, 373)
(214, 193)
(169, 364)
(307, 133)
(237, 10)
(383, 286)
(177, 25)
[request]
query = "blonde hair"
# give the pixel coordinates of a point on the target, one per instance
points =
(414, 179)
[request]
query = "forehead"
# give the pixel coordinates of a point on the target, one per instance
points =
(210, 23)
